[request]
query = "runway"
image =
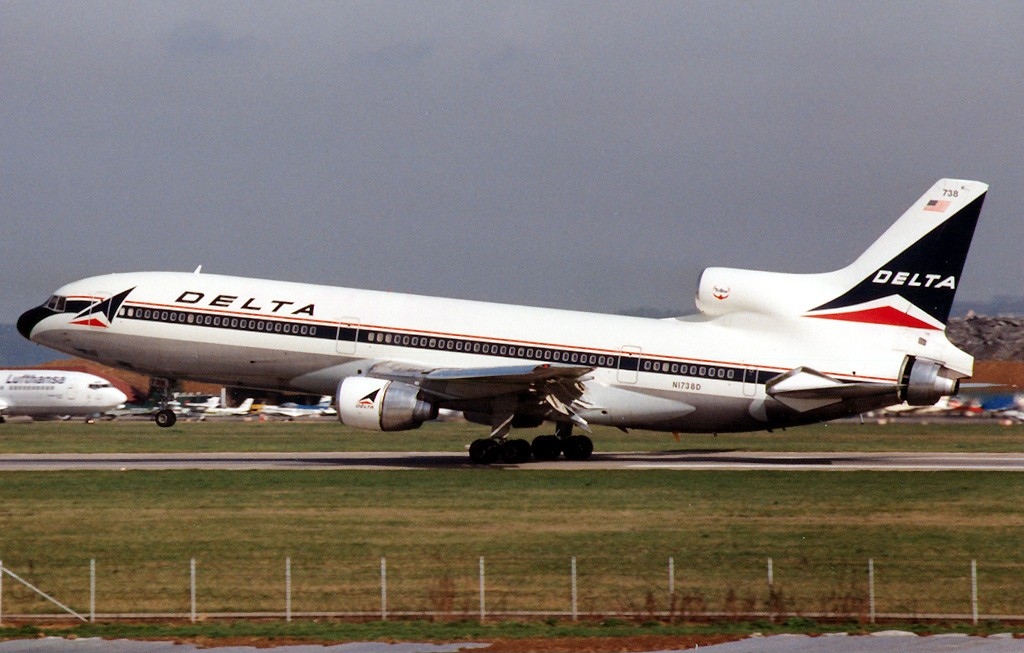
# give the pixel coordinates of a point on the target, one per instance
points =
(686, 460)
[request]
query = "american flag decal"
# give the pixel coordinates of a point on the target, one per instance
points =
(936, 205)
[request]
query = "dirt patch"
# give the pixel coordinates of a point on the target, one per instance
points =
(1008, 374)
(605, 644)
(638, 644)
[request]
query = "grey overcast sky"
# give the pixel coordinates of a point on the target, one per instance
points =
(590, 155)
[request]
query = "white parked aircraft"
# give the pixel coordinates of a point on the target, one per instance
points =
(221, 411)
(55, 393)
(292, 410)
(767, 350)
(196, 406)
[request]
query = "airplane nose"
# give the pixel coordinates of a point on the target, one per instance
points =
(30, 318)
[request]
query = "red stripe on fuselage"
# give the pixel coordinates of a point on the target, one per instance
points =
(886, 315)
(93, 322)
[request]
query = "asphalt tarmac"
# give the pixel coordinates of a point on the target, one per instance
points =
(676, 460)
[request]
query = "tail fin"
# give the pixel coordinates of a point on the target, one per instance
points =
(906, 278)
(909, 276)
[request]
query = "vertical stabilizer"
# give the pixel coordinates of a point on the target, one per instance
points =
(910, 275)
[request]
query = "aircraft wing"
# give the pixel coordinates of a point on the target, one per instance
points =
(805, 389)
(482, 382)
(513, 388)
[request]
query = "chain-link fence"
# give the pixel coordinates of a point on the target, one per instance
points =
(515, 586)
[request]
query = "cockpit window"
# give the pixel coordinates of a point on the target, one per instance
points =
(56, 303)
(97, 386)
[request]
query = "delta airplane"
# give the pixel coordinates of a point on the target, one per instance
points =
(767, 349)
(55, 393)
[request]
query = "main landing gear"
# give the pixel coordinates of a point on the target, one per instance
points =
(488, 451)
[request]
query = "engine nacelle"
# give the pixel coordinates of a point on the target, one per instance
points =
(380, 405)
(924, 381)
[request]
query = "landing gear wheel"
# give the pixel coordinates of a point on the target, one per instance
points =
(165, 418)
(515, 452)
(485, 451)
(547, 447)
(578, 447)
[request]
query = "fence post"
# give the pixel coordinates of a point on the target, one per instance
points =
(92, 590)
(771, 575)
(671, 584)
(1, 592)
(384, 589)
(974, 591)
(288, 589)
(483, 612)
(575, 614)
(871, 588)
(192, 589)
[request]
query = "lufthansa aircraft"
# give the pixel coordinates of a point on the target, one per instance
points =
(55, 393)
(766, 350)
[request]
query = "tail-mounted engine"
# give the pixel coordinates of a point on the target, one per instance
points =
(923, 382)
(722, 291)
(380, 405)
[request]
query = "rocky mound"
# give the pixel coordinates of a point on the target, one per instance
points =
(989, 338)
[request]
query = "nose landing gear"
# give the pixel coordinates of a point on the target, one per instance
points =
(165, 417)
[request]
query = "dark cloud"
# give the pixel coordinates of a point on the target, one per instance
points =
(394, 56)
(200, 38)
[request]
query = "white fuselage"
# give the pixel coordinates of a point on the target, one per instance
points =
(50, 393)
(692, 374)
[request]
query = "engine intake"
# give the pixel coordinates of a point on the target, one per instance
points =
(381, 405)
(924, 381)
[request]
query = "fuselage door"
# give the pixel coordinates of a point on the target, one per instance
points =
(348, 335)
(749, 382)
(629, 364)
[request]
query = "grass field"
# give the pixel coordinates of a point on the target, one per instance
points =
(921, 529)
(124, 436)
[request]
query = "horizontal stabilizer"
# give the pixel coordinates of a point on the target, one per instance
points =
(805, 389)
